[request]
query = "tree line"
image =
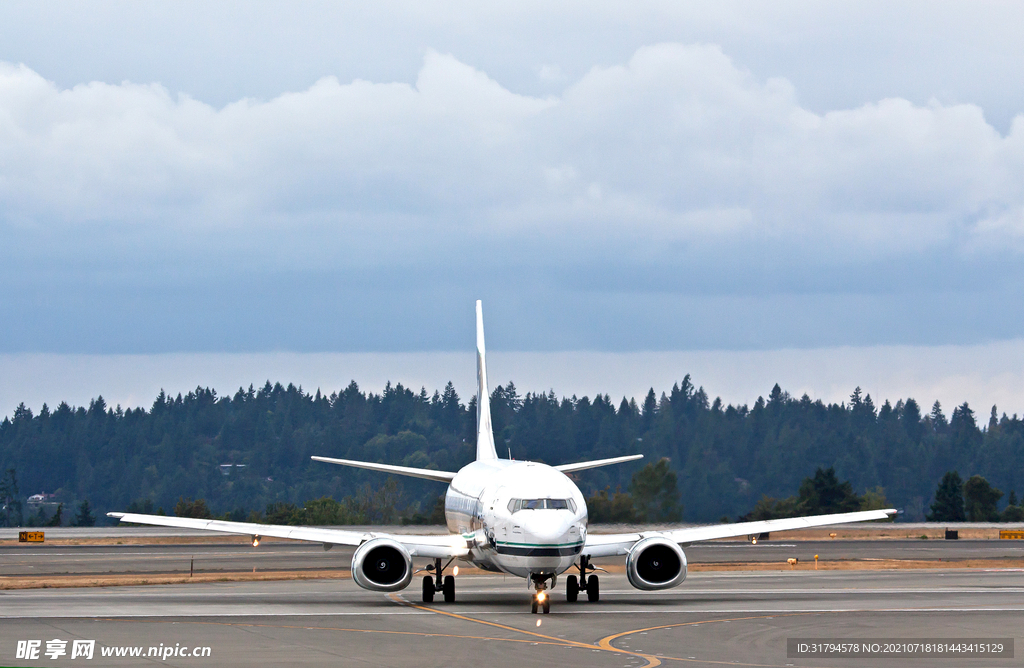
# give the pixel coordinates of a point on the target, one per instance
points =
(250, 450)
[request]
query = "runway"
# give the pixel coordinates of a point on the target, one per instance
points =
(713, 619)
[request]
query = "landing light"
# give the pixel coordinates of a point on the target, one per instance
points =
(541, 596)
(255, 541)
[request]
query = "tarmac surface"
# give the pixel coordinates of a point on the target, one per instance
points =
(28, 559)
(713, 619)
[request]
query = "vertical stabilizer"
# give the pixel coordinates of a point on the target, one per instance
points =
(484, 433)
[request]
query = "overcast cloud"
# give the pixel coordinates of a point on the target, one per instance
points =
(661, 180)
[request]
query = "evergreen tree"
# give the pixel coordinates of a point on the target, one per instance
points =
(10, 498)
(910, 418)
(654, 493)
(938, 418)
(949, 500)
(724, 457)
(824, 494)
(1012, 514)
(650, 407)
(980, 499)
(58, 516)
(189, 508)
(85, 517)
(617, 509)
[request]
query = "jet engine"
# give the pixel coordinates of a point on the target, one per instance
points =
(655, 563)
(382, 564)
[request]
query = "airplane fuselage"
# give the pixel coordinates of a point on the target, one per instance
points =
(520, 518)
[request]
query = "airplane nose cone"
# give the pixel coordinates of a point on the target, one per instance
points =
(547, 526)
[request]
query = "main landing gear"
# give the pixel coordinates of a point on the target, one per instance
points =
(437, 583)
(589, 584)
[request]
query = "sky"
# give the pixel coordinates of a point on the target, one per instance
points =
(316, 178)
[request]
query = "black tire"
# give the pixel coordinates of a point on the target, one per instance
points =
(533, 605)
(428, 589)
(593, 589)
(547, 605)
(572, 589)
(449, 589)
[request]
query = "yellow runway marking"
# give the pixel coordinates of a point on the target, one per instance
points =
(606, 642)
(332, 628)
(651, 660)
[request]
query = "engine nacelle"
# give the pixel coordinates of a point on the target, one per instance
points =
(656, 563)
(381, 564)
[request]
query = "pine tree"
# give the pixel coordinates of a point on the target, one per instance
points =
(949, 500)
(655, 494)
(980, 499)
(824, 494)
(10, 498)
(84, 518)
(58, 516)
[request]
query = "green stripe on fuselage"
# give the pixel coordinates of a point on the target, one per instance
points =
(499, 542)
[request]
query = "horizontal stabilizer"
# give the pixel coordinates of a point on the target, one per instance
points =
(581, 466)
(439, 476)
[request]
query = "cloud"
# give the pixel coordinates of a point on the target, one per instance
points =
(676, 173)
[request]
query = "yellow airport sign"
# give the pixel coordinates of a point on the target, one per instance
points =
(1012, 535)
(30, 537)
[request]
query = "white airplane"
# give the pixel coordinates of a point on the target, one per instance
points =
(522, 518)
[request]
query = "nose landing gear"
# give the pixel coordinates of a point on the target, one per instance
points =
(589, 584)
(541, 599)
(438, 582)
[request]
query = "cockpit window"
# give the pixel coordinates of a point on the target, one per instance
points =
(515, 505)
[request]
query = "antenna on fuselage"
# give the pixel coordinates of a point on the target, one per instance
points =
(484, 432)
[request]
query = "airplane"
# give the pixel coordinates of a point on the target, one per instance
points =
(522, 518)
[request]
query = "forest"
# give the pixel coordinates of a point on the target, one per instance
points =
(247, 455)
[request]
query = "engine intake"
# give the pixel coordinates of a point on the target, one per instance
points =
(382, 564)
(655, 563)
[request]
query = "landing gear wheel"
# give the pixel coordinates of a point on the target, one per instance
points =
(449, 589)
(572, 589)
(533, 605)
(593, 589)
(428, 589)
(547, 605)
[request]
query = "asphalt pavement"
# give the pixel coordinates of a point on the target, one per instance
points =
(715, 618)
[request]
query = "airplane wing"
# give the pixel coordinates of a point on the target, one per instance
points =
(431, 546)
(582, 466)
(428, 474)
(607, 545)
